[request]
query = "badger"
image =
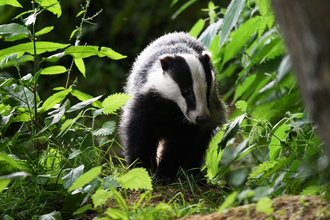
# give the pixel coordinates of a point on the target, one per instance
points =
(174, 109)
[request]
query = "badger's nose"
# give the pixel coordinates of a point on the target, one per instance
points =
(202, 119)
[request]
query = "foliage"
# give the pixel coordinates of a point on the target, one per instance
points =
(57, 157)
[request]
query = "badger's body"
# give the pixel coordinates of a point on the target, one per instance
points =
(174, 105)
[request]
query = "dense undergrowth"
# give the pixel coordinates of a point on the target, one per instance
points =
(57, 159)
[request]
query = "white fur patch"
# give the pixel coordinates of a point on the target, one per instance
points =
(200, 87)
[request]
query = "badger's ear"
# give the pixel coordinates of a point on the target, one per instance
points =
(206, 56)
(165, 61)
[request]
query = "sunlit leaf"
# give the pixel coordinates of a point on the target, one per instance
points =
(54, 99)
(13, 31)
(83, 104)
(100, 197)
(84, 209)
(114, 102)
(182, 8)
(70, 177)
(86, 178)
(14, 3)
(44, 31)
(228, 202)
(135, 179)
(80, 65)
(265, 205)
(53, 70)
(197, 28)
(207, 36)
(52, 6)
(9, 160)
(233, 11)
(84, 97)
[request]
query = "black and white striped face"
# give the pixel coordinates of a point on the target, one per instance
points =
(186, 80)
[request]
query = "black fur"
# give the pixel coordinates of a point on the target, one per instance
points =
(149, 119)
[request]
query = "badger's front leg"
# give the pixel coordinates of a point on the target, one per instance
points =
(184, 149)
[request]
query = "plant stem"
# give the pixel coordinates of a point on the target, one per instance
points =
(34, 125)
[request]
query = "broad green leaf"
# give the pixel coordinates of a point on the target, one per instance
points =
(66, 124)
(13, 31)
(86, 178)
(72, 176)
(233, 11)
(182, 8)
(80, 65)
(265, 166)
(228, 202)
(4, 184)
(105, 51)
(264, 6)
(53, 70)
(107, 128)
(14, 3)
(241, 37)
(23, 117)
(9, 160)
(246, 151)
(280, 134)
(100, 197)
(79, 52)
(135, 179)
(54, 99)
(241, 88)
(114, 102)
(197, 28)
(83, 104)
(265, 205)
(44, 31)
(84, 97)
(213, 155)
(52, 6)
(41, 47)
(207, 36)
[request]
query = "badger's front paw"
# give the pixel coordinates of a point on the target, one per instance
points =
(162, 178)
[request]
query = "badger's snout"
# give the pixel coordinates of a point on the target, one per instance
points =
(203, 119)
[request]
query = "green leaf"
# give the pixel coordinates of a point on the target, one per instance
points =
(84, 209)
(80, 65)
(13, 31)
(55, 116)
(79, 52)
(53, 70)
(232, 130)
(197, 28)
(100, 197)
(9, 160)
(233, 11)
(240, 37)
(214, 155)
(117, 214)
(83, 104)
(86, 178)
(72, 176)
(114, 102)
(54, 99)
(107, 128)
(51, 5)
(44, 31)
(41, 47)
(4, 184)
(135, 179)
(280, 134)
(14, 3)
(210, 32)
(105, 51)
(265, 205)
(265, 166)
(83, 97)
(228, 202)
(241, 105)
(264, 6)
(241, 88)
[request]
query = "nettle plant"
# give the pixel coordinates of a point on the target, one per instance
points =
(46, 144)
(270, 144)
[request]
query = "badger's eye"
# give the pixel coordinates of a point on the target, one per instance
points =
(186, 91)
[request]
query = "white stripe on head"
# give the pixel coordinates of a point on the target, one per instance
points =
(199, 86)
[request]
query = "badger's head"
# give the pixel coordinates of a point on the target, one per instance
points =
(188, 81)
